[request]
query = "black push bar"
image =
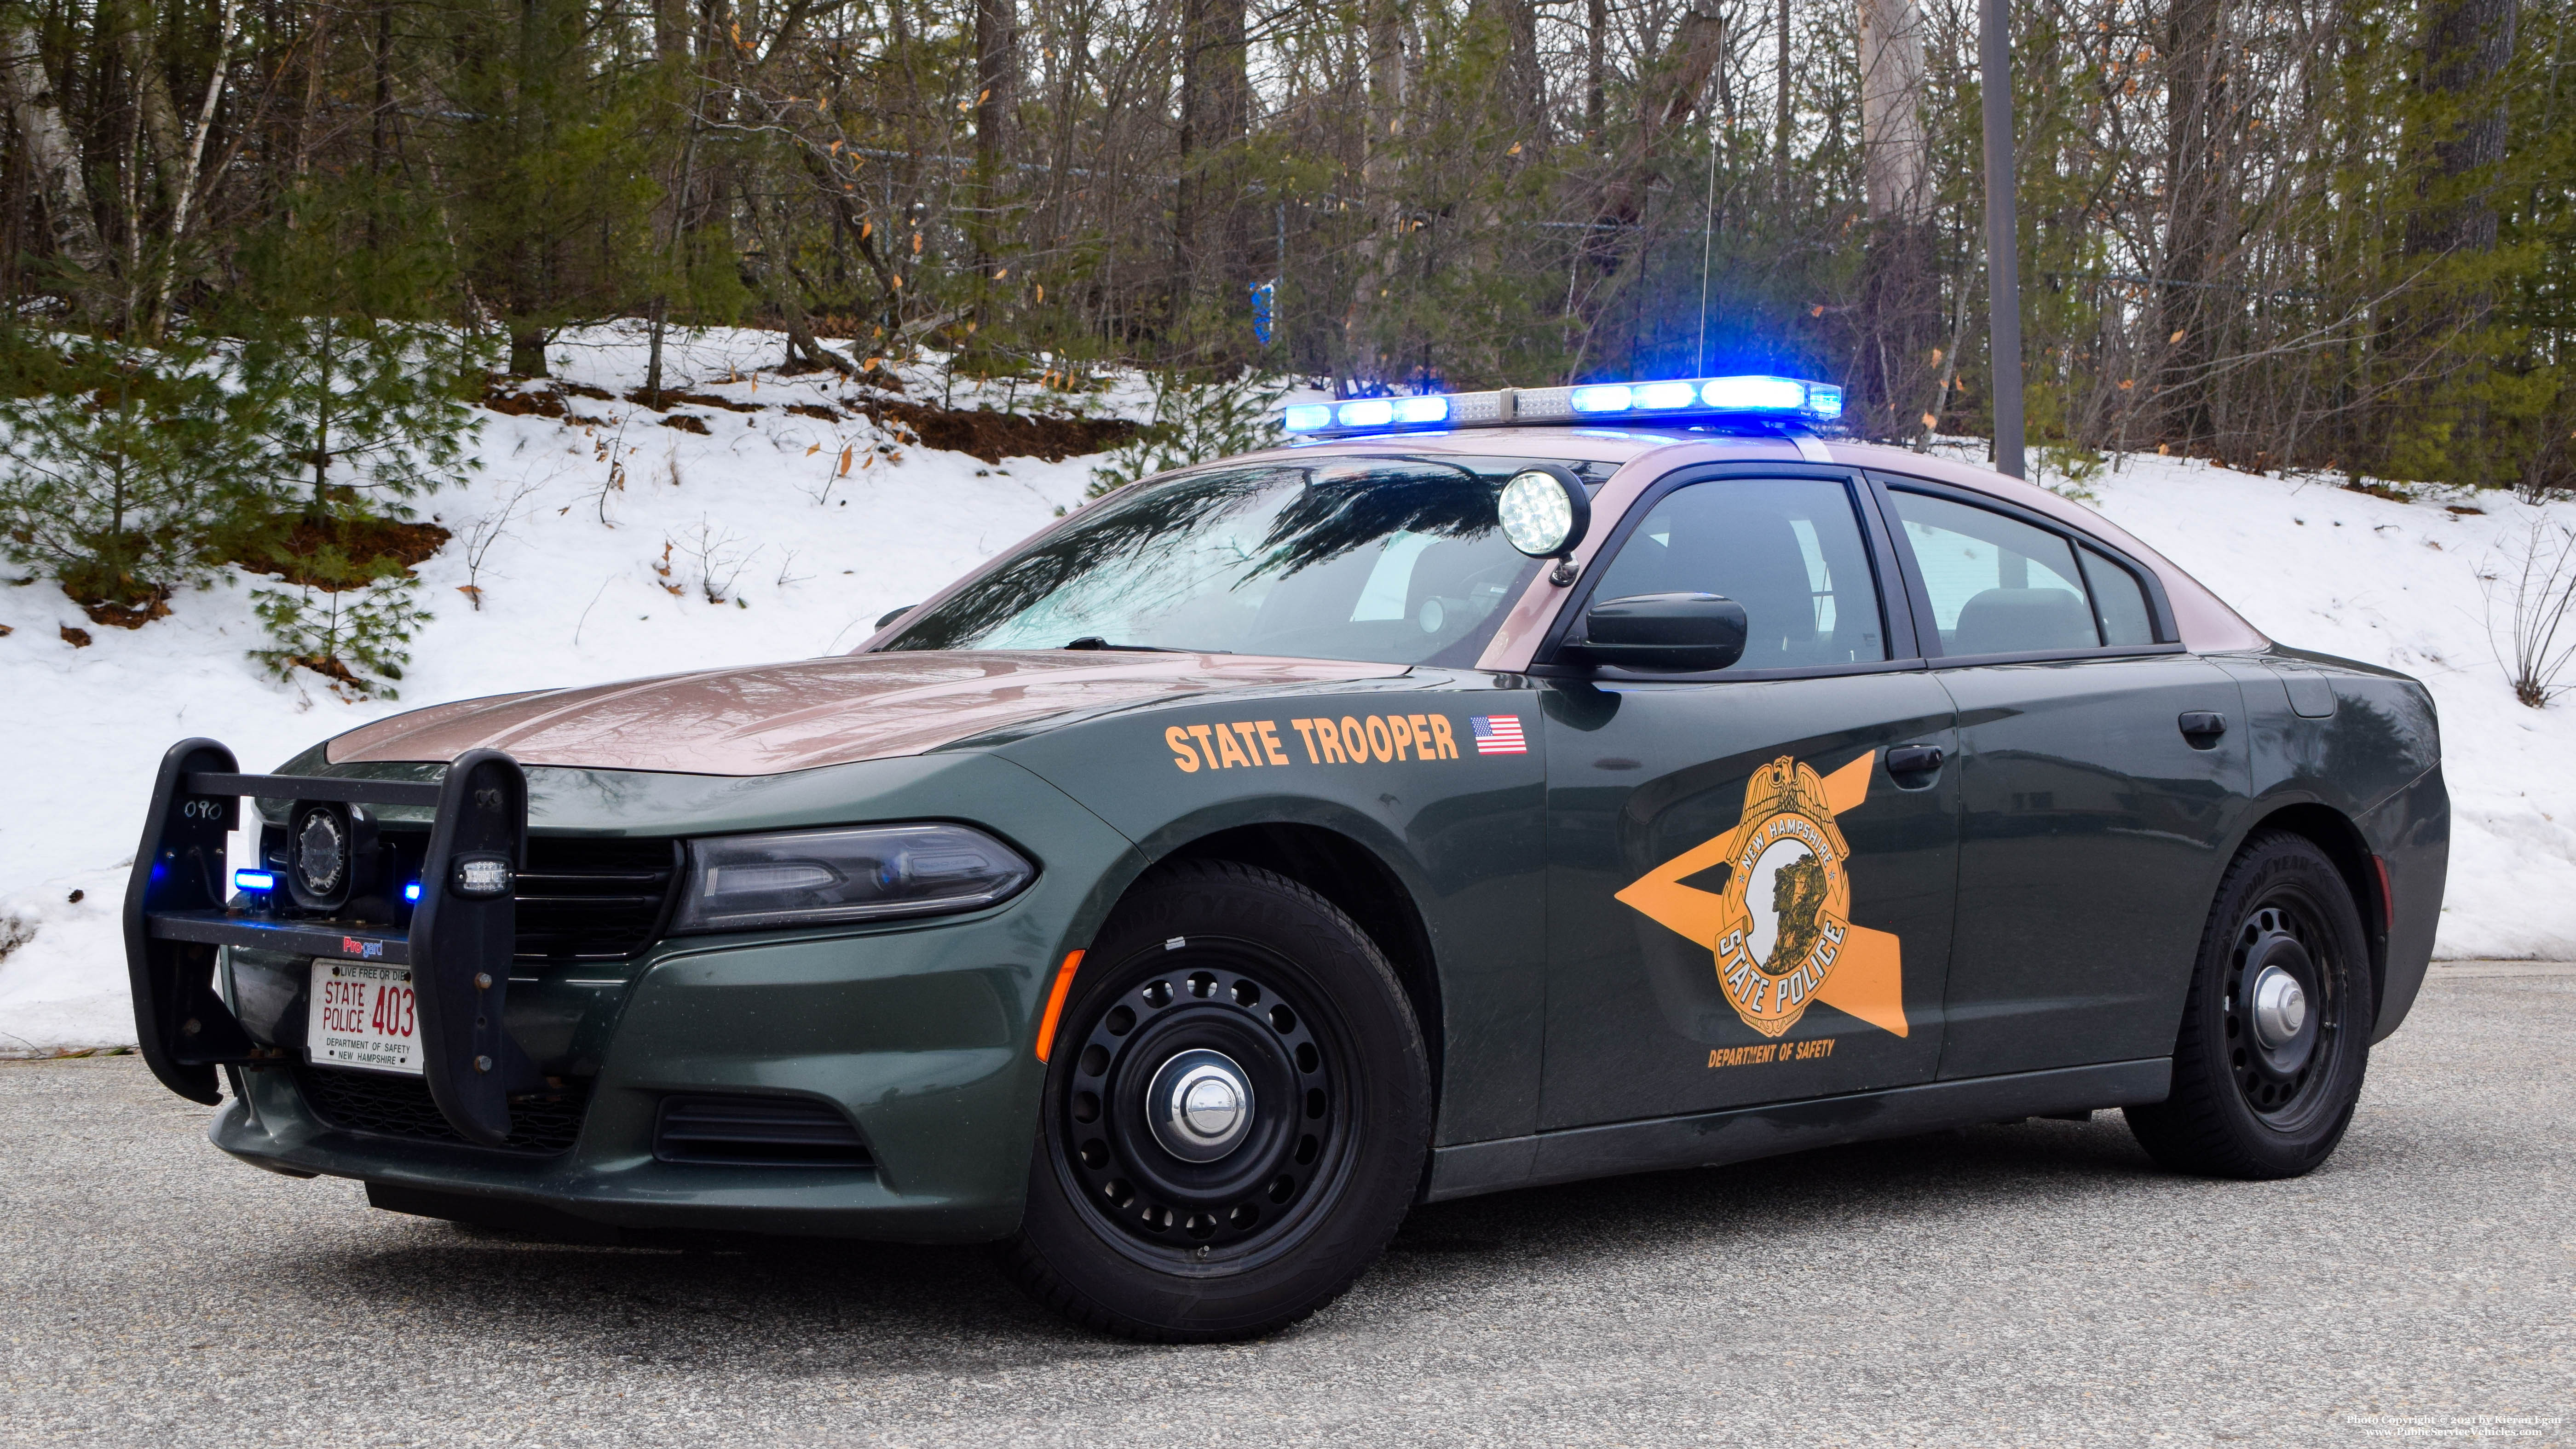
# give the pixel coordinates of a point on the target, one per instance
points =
(461, 936)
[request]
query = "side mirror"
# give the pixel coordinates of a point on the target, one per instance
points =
(893, 614)
(1681, 633)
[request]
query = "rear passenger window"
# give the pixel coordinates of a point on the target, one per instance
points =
(1788, 549)
(1997, 585)
(2119, 600)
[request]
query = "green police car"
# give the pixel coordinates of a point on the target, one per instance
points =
(1478, 791)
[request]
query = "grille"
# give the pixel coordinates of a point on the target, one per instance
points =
(593, 899)
(757, 1132)
(397, 1106)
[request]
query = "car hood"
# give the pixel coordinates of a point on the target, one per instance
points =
(770, 718)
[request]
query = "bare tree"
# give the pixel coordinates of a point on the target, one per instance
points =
(1900, 295)
(51, 152)
(2466, 45)
(2535, 583)
(1211, 234)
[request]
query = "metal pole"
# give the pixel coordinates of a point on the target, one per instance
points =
(2003, 258)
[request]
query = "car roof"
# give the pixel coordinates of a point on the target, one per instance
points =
(1641, 455)
(1638, 456)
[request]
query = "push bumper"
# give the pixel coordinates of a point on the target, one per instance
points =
(919, 1034)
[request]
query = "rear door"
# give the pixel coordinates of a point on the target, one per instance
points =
(1743, 904)
(2091, 822)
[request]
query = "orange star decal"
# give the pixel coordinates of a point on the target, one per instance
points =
(1774, 961)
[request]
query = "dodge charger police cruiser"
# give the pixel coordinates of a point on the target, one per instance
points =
(1476, 791)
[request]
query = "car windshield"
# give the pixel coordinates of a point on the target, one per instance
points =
(1386, 560)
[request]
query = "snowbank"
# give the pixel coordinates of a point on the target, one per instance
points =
(2318, 566)
(573, 591)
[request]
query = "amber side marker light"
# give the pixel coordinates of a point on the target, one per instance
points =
(1055, 1004)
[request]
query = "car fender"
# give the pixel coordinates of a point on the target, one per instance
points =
(1461, 837)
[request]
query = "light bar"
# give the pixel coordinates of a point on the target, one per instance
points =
(1366, 413)
(1778, 400)
(254, 880)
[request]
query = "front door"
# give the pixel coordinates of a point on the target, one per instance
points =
(1744, 904)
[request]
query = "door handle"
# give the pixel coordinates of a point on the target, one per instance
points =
(2202, 727)
(1914, 759)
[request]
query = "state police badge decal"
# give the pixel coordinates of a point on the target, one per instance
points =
(1780, 929)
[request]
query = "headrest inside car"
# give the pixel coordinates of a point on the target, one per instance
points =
(2017, 621)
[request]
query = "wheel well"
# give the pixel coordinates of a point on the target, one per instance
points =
(2330, 831)
(1355, 880)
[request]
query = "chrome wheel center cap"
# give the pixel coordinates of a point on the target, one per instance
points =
(1200, 1105)
(2280, 1007)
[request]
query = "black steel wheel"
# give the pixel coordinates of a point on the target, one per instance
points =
(2275, 1036)
(1236, 1112)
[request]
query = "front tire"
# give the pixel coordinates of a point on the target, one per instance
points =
(1236, 1114)
(2275, 1033)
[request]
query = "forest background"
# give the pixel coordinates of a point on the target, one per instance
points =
(262, 255)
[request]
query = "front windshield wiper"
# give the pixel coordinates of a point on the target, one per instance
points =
(1094, 641)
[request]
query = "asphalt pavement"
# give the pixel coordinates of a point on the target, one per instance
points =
(2039, 1284)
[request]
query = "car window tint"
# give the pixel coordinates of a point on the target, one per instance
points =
(2120, 600)
(1788, 549)
(1998, 585)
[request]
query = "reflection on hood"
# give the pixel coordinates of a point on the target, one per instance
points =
(771, 718)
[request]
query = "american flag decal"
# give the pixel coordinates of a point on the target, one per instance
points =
(1498, 734)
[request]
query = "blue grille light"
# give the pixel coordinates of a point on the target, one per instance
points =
(254, 880)
(412, 892)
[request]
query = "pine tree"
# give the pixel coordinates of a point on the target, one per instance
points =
(357, 397)
(121, 470)
(353, 403)
(353, 637)
(556, 156)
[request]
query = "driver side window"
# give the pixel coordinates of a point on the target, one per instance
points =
(1788, 549)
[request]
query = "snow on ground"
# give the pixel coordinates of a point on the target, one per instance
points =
(807, 560)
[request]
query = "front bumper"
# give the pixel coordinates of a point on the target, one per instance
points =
(921, 1038)
(921, 1033)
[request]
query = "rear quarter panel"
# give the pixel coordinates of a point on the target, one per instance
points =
(2363, 742)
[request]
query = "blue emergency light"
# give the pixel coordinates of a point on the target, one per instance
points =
(1367, 412)
(1780, 401)
(412, 892)
(254, 880)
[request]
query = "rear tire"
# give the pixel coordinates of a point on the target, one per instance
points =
(2275, 1033)
(1138, 1226)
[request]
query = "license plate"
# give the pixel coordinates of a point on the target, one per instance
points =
(362, 1015)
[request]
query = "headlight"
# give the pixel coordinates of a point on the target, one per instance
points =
(817, 877)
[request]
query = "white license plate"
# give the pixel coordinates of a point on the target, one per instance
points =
(361, 1014)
